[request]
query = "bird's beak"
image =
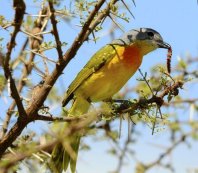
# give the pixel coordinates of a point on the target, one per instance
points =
(162, 44)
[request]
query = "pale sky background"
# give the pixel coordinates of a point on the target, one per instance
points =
(176, 22)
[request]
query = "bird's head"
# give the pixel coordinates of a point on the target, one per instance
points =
(145, 38)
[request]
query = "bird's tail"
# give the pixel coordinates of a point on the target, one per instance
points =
(61, 158)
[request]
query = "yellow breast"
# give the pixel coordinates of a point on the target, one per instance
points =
(107, 81)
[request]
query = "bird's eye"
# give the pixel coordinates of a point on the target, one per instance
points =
(150, 34)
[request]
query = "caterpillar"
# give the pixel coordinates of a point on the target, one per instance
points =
(169, 55)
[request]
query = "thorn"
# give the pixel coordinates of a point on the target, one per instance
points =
(128, 9)
(103, 20)
(129, 126)
(116, 23)
(94, 36)
(120, 126)
(135, 4)
(42, 76)
(154, 123)
(153, 126)
(158, 107)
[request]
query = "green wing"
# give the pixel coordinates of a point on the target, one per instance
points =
(94, 64)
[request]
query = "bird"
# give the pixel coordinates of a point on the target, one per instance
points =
(103, 76)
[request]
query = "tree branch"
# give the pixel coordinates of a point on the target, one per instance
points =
(88, 27)
(79, 123)
(19, 7)
(55, 30)
(27, 69)
(168, 151)
(70, 130)
(21, 156)
(154, 99)
(60, 119)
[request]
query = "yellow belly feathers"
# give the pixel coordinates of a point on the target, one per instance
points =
(107, 81)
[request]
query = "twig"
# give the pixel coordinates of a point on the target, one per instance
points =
(19, 58)
(36, 15)
(42, 56)
(43, 33)
(55, 31)
(120, 127)
(154, 123)
(124, 151)
(145, 79)
(175, 86)
(128, 9)
(168, 151)
(60, 119)
(31, 35)
(189, 101)
(154, 99)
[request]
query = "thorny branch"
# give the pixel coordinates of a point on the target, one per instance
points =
(60, 119)
(74, 127)
(154, 99)
(21, 156)
(43, 92)
(19, 6)
(79, 123)
(157, 99)
(28, 66)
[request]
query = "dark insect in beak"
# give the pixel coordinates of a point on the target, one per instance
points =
(169, 55)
